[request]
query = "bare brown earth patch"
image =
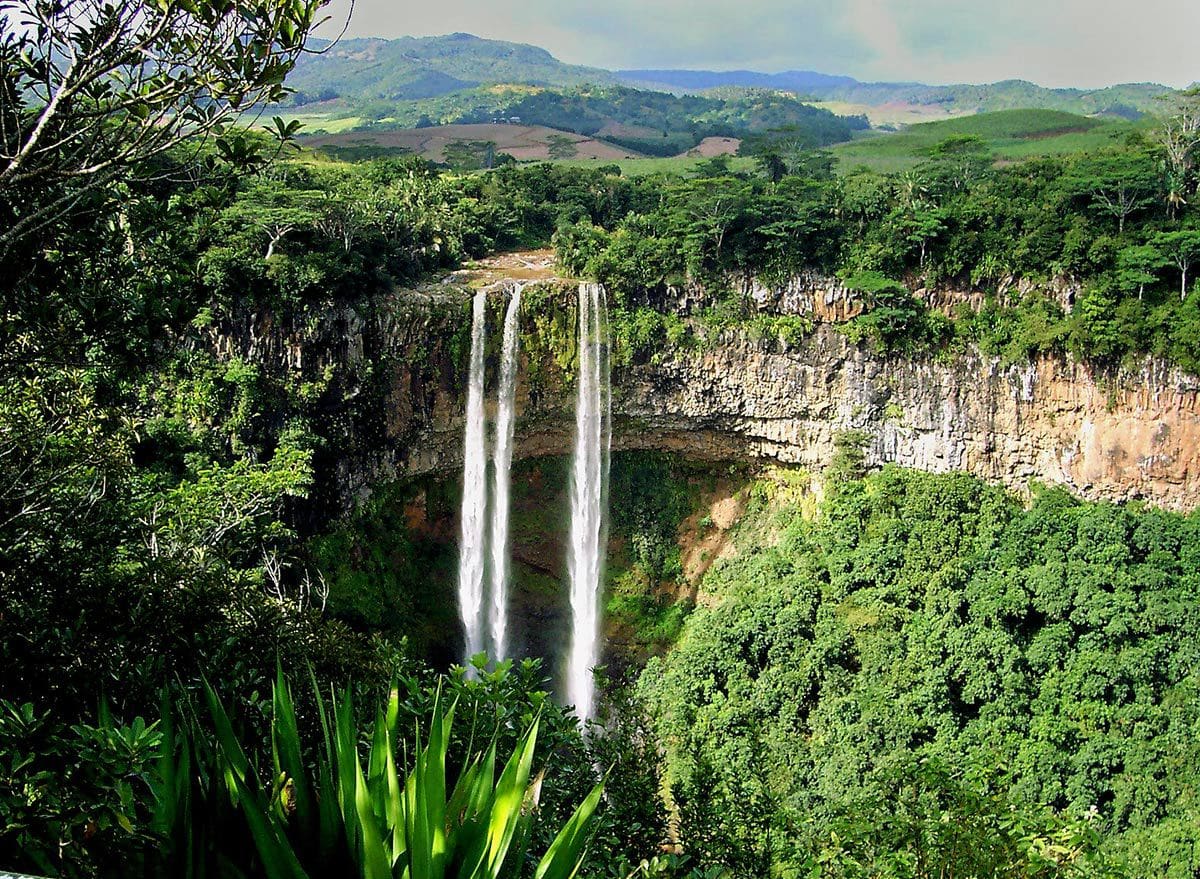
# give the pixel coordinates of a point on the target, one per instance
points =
(526, 265)
(519, 141)
(714, 146)
(706, 535)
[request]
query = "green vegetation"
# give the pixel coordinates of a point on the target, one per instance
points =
(679, 166)
(1110, 221)
(350, 817)
(922, 677)
(170, 493)
(926, 649)
(1007, 135)
(654, 494)
(284, 788)
(653, 123)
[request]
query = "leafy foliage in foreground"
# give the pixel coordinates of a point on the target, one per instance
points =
(350, 817)
(274, 787)
(929, 646)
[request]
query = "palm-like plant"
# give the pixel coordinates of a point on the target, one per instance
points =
(343, 816)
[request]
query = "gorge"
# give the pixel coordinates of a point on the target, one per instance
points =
(718, 395)
(1117, 434)
(799, 512)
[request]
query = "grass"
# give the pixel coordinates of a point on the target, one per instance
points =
(315, 123)
(1010, 135)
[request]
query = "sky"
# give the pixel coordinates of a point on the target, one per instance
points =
(1084, 43)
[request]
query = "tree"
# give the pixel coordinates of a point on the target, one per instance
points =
(275, 212)
(1179, 137)
(958, 160)
(1097, 330)
(91, 90)
(559, 146)
(704, 211)
(1136, 266)
(894, 315)
(1181, 249)
(771, 164)
(918, 226)
(1118, 184)
(862, 197)
(469, 155)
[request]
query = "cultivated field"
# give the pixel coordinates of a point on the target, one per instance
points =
(520, 141)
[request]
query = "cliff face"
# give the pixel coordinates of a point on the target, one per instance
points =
(1117, 437)
(1053, 421)
(1113, 436)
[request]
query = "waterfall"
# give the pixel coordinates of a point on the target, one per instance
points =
(589, 496)
(471, 544)
(502, 461)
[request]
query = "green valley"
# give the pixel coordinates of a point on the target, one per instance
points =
(529, 471)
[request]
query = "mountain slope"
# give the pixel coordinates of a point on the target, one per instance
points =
(1003, 135)
(412, 68)
(419, 68)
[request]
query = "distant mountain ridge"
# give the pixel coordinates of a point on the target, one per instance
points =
(1128, 99)
(423, 68)
(415, 68)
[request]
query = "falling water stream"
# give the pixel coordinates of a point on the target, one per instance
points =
(502, 462)
(483, 550)
(589, 496)
(474, 500)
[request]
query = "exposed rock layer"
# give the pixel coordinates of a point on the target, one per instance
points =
(1114, 436)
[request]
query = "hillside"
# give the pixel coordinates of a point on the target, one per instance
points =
(414, 68)
(652, 123)
(459, 144)
(1005, 135)
(375, 74)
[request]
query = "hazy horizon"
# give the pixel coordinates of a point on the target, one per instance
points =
(1074, 43)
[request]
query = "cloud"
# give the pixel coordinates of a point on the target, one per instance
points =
(1084, 43)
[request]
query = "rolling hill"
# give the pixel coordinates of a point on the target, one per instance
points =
(650, 123)
(398, 87)
(359, 71)
(415, 68)
(1005, 135)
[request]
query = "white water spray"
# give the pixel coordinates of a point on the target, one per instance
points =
(589, 496)
(502, 462)
(474, 500)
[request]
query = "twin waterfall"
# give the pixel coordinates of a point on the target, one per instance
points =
(471, 560)
(483, 547)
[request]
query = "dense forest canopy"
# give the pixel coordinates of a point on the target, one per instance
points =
(924, 649)
(918, 646)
